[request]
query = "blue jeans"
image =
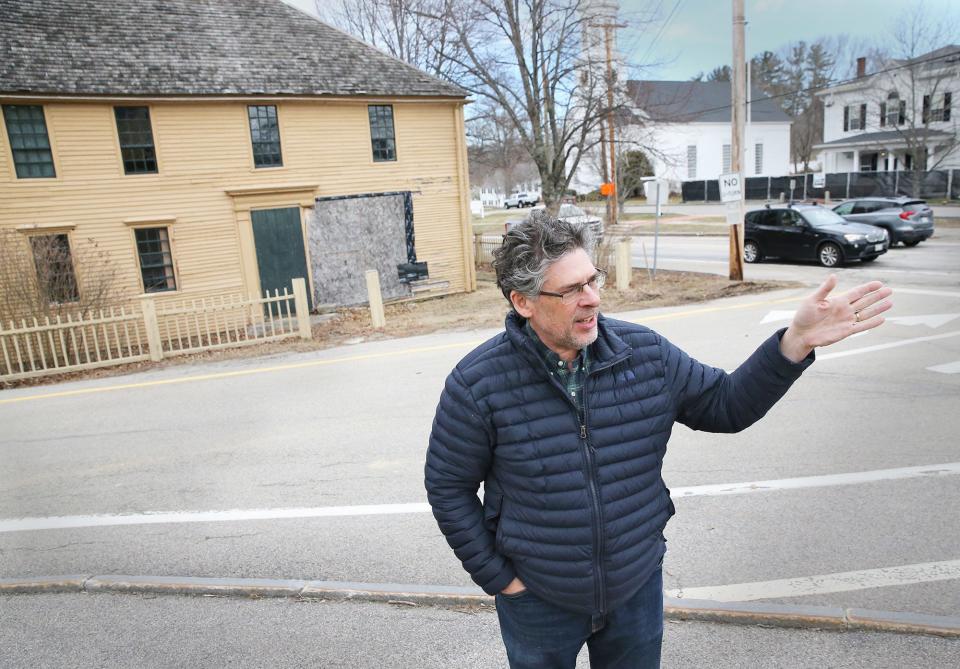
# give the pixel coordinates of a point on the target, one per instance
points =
(538, 635)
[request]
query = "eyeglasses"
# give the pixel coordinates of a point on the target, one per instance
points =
(596, 283)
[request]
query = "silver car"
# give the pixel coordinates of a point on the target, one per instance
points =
(905, 219)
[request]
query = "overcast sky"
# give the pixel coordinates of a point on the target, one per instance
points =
(696, 37)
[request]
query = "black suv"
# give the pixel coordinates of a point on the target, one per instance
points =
(809, 232)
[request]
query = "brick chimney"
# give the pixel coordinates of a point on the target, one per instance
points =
(861, 67)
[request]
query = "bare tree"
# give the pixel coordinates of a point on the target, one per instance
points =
(42, 276)
(496, 154)
(526, 58)
(912, 92)
(411, 30)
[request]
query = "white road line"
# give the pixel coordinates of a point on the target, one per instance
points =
(920, 291)
(816, 481)
(927, 272)
(881, 347)
(932, 321)
(889, 270)
(948, 368)
(150, 518)
(778, 315)
(707, 262)
(825, 583)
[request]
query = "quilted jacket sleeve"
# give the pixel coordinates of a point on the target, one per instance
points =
(707, 398)
(458, 459)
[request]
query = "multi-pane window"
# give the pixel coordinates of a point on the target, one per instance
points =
(855, 117)
(265, 135)
(381, 132)
(29, 142)
(692, 161)
(56, 280)
(758, 159)
(136, 140)
(726, 158)
(156, 260)
(936, 107)
(893, 111)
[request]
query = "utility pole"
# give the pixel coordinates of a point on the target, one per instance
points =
(612, 197)
(737, 140)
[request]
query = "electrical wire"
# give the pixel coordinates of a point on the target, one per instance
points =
(673, 11)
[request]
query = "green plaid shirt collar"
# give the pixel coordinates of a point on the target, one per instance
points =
(572, 377)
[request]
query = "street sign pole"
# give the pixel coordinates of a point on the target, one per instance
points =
(739, 95)
(656, 231)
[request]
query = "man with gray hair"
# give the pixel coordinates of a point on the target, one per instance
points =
(564, 417)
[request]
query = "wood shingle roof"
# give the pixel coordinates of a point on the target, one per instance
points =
(192, 47)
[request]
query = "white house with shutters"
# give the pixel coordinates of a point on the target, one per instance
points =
(684, 128)
(884, 120)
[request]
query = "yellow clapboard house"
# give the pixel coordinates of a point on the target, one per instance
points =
(185, 149)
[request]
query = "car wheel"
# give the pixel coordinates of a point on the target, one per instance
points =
(913, 243)
(830, 255)
(751, 251)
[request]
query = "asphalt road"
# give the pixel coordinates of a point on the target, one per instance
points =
(719, 209)
(317, 436)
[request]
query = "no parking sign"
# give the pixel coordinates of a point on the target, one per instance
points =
(731, 187)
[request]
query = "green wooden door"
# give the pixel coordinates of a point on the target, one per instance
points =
(278, 238)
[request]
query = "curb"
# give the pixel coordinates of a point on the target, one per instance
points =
(739, 613)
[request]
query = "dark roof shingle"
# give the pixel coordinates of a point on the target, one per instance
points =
(698, 102)
(192, 47)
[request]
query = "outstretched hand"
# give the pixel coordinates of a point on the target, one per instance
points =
(822, 320)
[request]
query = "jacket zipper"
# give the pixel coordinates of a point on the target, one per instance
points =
(594, 486)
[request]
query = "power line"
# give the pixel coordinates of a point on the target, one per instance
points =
(673, 11)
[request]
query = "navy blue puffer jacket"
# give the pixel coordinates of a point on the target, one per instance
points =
(577, 511)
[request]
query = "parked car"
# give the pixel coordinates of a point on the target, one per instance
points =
(574, 214)
(905, 219)
(521, 200)
(810, 232)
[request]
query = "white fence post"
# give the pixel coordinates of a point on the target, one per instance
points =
(623, 264)
(376, 299)
(302, 307)
(152, 327)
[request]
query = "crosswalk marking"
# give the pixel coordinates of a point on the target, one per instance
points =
(948, 368)
(802, 586)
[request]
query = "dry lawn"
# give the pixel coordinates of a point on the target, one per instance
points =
(484, 308)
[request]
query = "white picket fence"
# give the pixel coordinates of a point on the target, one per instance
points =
(149, 331)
